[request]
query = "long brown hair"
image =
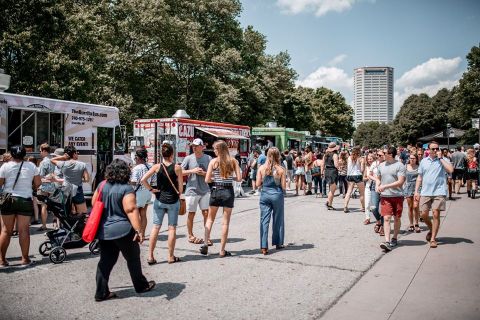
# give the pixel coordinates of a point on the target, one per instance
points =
(225, 161)
(355, 154)
(273, 159)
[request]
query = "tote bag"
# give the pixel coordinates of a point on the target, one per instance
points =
(93, 221)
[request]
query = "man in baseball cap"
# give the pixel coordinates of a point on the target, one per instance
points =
(197, 192)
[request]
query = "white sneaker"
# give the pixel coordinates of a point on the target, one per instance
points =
(256, 193)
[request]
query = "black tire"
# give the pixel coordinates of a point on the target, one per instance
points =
(94, 247)
(58, 255)
(45, 248)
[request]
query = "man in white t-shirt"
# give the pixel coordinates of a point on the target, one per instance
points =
(197, 192)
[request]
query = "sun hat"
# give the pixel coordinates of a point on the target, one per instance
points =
(332, 146)
(58, 152)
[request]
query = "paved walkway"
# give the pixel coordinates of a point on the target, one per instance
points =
(416, 282)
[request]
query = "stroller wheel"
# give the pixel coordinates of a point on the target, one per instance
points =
(45, 248)
(93, 247)
(58, 255)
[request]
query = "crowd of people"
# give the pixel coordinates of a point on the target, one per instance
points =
(381, 178)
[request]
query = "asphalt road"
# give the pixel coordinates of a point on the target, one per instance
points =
(327, 253)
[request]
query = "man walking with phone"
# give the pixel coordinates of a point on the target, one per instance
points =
(197, 193)
(432, 177)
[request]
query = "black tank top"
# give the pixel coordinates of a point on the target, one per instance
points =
(167, 193)
(329, 163)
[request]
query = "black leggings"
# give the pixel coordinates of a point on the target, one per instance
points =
(109, 251)
(342, 184)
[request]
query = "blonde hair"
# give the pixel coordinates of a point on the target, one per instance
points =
(470, 155)
(273, 159)
(225, 161)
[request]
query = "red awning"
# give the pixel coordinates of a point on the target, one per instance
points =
(222, 133)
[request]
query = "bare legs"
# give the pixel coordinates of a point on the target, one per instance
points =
(331, 192)
(300, 184)
(172, 238)
(361, 189)
(212, 213)
(433, 226)
(191, 216)
(143, 218)
(23, 223)
(396, 227)
(413, 211)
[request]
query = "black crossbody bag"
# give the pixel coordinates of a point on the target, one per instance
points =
(6, 197)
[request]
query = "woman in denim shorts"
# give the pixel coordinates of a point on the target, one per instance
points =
(167, 194)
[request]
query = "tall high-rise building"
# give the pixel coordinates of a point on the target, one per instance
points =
(373, 94)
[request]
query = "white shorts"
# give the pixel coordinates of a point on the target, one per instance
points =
(201, 201)
(144, 197)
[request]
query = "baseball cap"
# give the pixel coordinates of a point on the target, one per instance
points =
(58, 152)
(476, 145)
(197, 142)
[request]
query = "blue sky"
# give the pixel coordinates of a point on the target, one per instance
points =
(426, 41)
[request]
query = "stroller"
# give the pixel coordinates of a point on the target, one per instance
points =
(69, 236)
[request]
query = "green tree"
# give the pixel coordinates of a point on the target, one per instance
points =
(372, 134)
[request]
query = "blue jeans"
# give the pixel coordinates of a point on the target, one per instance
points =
(272, 205)
(159, 210)
(375, 205)
(317, 184)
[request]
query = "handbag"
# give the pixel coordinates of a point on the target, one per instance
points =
(91, 227)
(6, 197)
(183, 205)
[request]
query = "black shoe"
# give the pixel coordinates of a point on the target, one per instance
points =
(308, 193)
(393, 242)
(151, 285)
(469, 194)
(386, 246)
(346, 210)
(473, 194)
(204, 249)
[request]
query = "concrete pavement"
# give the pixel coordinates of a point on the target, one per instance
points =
(328, 252)
(415, 281)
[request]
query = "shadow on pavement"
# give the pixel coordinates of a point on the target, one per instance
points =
(170, 289)
(405, 242)
(452, 240)
(288, 247)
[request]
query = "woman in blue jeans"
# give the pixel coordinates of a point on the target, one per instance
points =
(169, 189)
(272, 178)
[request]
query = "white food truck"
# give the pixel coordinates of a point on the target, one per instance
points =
(94, 130)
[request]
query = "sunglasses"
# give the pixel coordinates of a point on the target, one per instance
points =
(434, 149)
(379, 155)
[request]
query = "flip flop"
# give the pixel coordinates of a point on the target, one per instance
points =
(175, 259)
(151, 285)
(195, 240)
(151, 262)
(111, 295)
(209, 243)
(4, 265)
(26, 265)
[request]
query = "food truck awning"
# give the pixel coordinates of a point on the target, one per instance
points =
(222, 133)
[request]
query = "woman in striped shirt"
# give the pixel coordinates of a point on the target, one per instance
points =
(222, 171)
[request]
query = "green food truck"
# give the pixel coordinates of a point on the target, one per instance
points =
(282, 138)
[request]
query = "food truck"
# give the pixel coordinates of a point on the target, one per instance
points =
(94, 130)
(180, 131)
(282, 138)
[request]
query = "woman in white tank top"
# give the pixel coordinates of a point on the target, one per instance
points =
(355, 168)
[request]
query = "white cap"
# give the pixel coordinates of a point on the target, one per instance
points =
(197, 142)
(476, 145)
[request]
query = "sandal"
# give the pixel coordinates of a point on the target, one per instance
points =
(195, 240)
(225, 254)
(411, 228)
(175, 259)
(209, 242)
(111, 295)
(204, 250)
(151, 262)
(417, 228)
(377, 227)
(381, 232)
(366, 222)
(264, 251)
(433, 244)
(151, 285)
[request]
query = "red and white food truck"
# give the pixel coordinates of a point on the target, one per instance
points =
(181, 132)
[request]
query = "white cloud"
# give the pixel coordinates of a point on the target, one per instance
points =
(429, 72)
(428, 77)
(337, 60)
(328, 77)
(319, 7)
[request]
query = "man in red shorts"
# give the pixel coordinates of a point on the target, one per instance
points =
(390, 179)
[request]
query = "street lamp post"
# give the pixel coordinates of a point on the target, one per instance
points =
(448, 135)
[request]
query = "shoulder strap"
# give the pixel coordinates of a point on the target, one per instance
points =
(18, 174)
(139, 184)
(100, 190)
(168, 176)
